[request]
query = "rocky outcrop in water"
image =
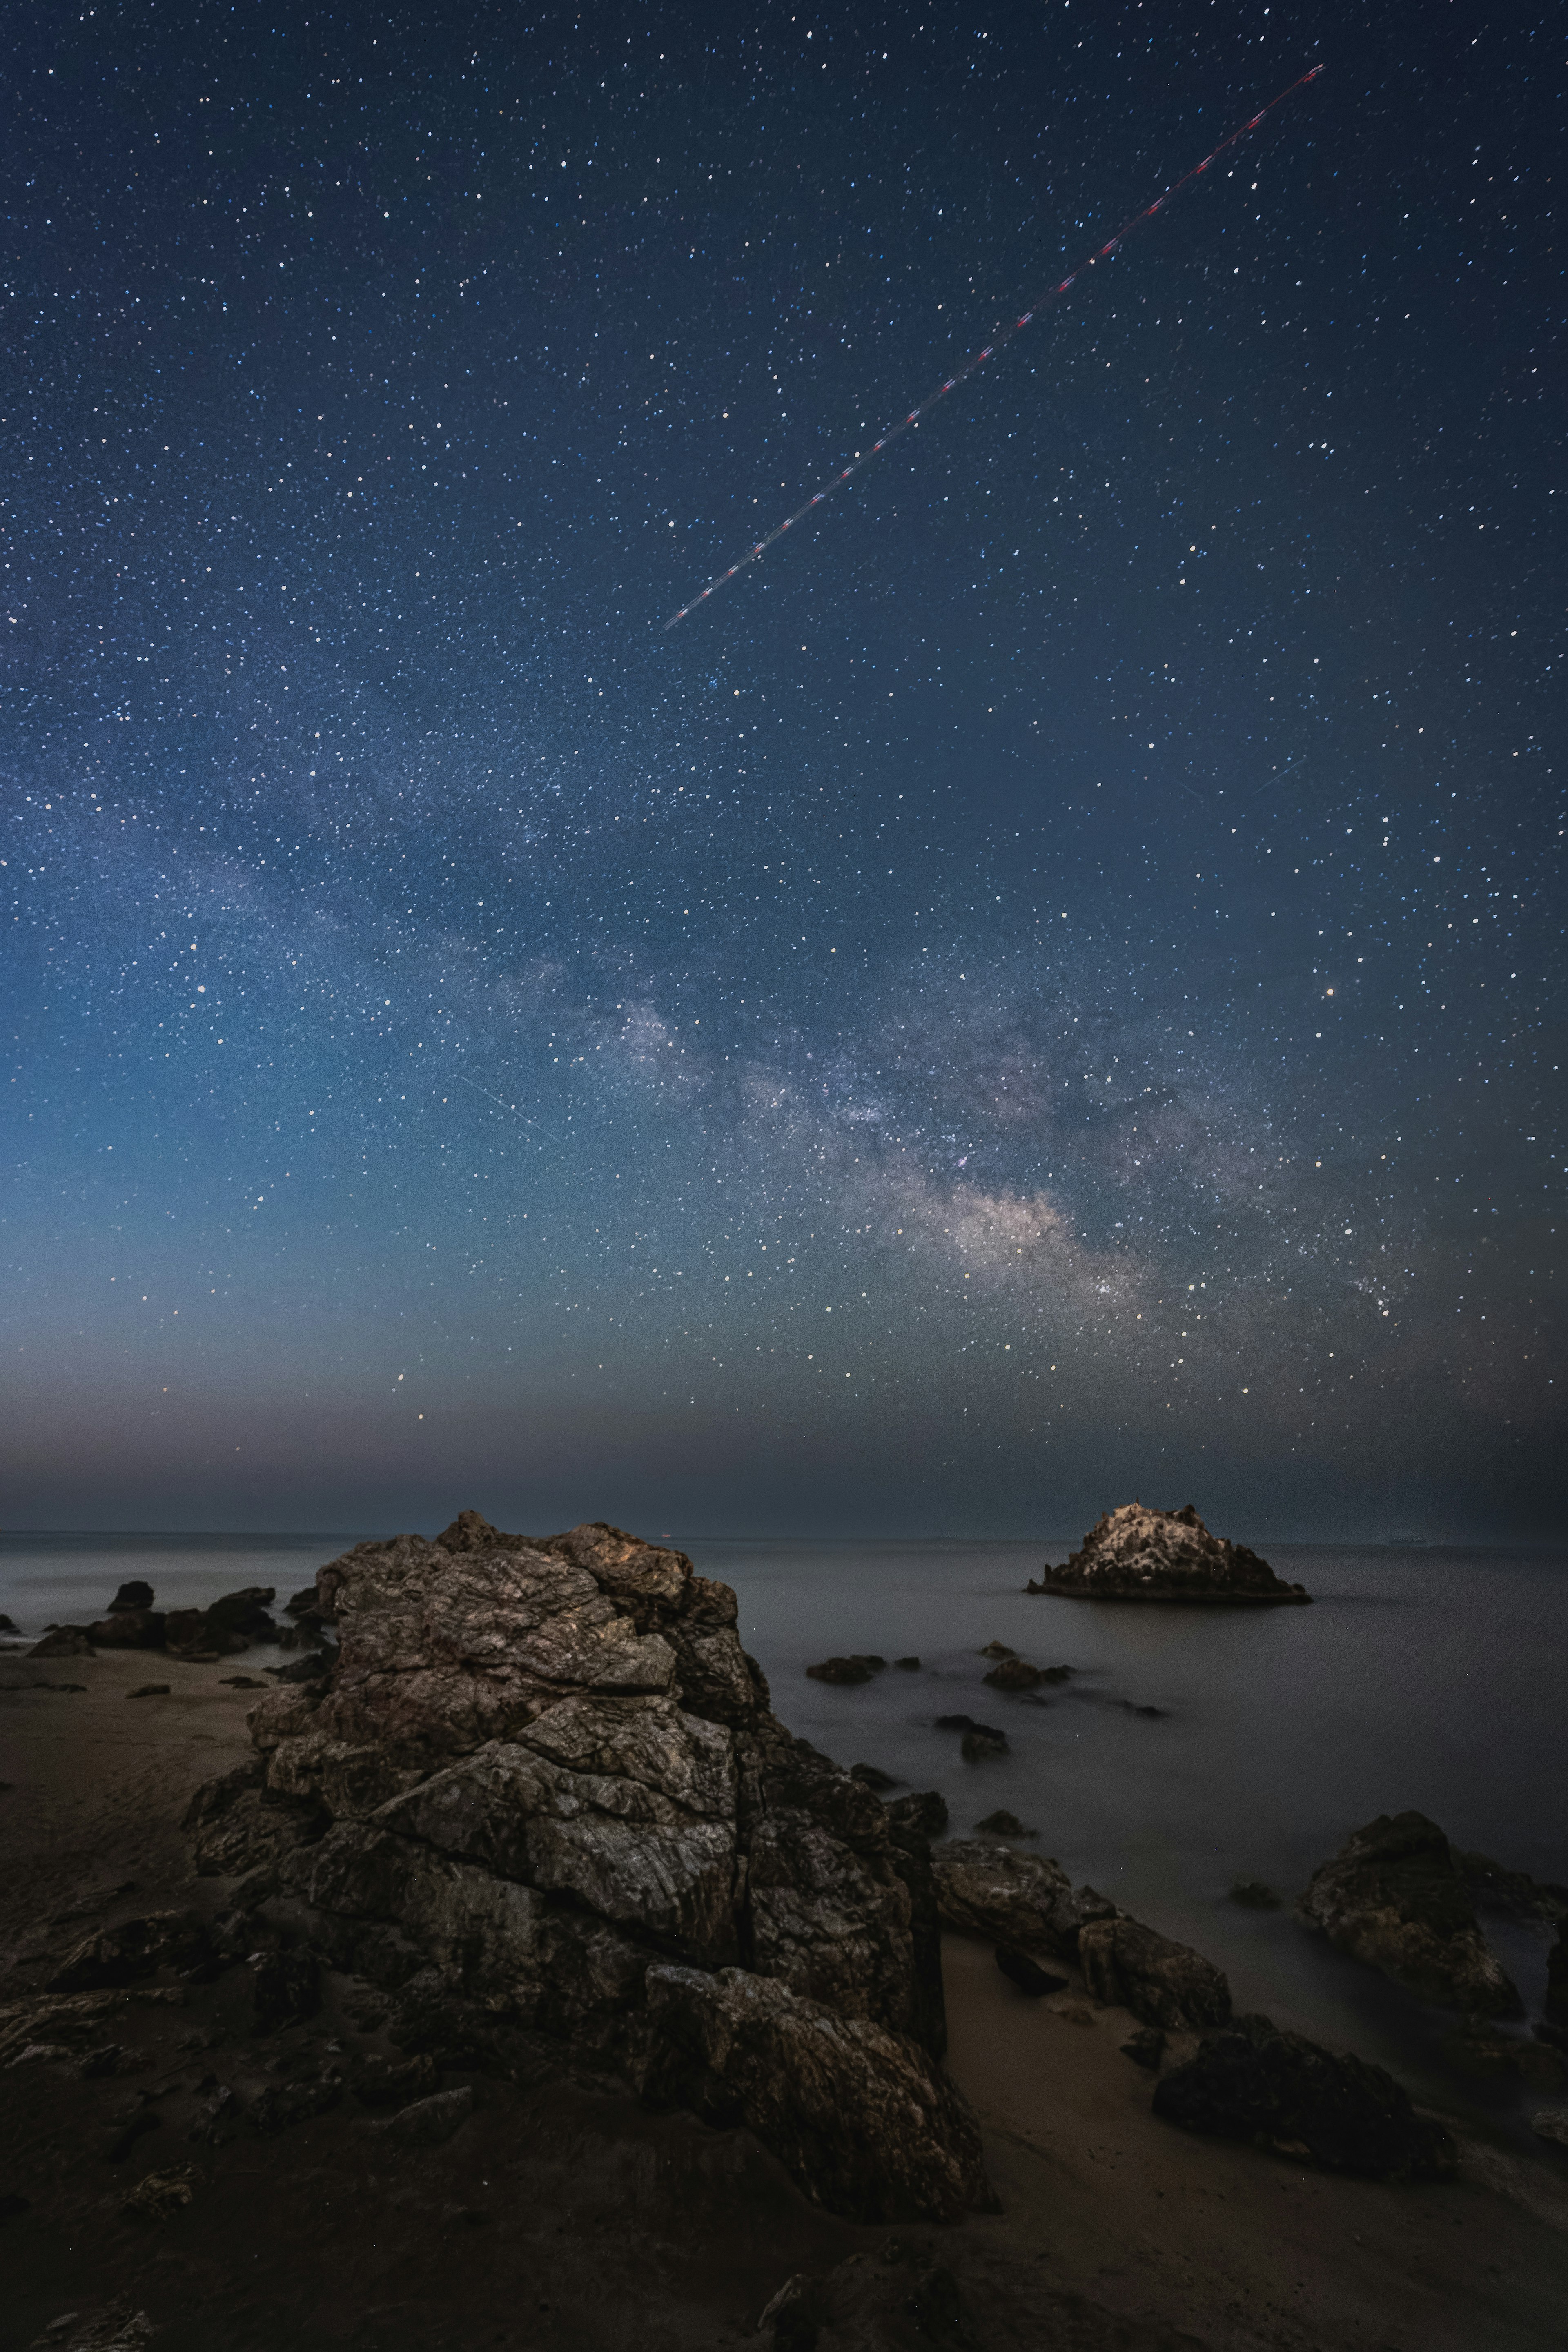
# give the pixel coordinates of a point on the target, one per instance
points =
(1138, 1554)
(1252, 2082)
(1395, 1895)
(540, 1790)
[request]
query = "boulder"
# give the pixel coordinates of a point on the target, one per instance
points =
(64, 1642)
(1252, 2082)
(1014, 1673)
(538, 1790)
(9, 1625)
(230, 1623)
(135, 1596)
(907, 1665)
(1128, 1966)
(129, 1629)
(845, 1670)
(977, 1747)
(1395, 1896)
(1021, 1901)
(1135, 1553)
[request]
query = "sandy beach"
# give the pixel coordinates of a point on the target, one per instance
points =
(561, 2213)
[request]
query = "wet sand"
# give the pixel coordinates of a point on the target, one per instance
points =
(563, 2215)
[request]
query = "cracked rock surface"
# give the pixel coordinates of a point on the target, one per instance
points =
(542, 1789)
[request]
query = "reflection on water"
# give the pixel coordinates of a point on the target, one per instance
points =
(1429, 1679)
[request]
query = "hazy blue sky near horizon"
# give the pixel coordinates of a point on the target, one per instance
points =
(1046, 988)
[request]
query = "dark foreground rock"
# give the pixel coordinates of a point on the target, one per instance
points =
(1129, 1966)
(1252, 2082)
(1139, 1554)
(540, 1790)
(64, 1642)
(231, 1624)
(1395, 1896)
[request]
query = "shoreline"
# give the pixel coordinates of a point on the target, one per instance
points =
(656, 2230)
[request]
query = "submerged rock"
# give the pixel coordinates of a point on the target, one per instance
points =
(1016, 1673)
(1252, 2082)
(1135, 1553)
(1002, 1823)
(1126, 1965)
(846, 1670)
(539, 1789)
(1395, 1896)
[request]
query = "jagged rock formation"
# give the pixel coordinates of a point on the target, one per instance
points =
(1395, 1896)
(1138, 1554)
(1252, 2082)
(540, 1790)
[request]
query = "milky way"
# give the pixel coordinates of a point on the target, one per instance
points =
(1049, 989)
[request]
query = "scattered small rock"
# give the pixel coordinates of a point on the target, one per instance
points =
(908, 1665)
(1002, 1823)
(997, 1650)
(60, 1686)
(871, 1775)
(844, 1670)
(241, 1681)
(982, 1743)
(430, 2122)
(307, 1668)
(1145, 2048)
(149, 1690)
(1014, 1673)
(158, 2194)
(1027, 1974)
(1253, 1895)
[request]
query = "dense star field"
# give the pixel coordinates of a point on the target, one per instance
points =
(1046, 987)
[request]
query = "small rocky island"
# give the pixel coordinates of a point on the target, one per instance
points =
(1136, 1553)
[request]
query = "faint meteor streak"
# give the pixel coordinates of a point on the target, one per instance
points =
(1003, 336)
(462, 1081)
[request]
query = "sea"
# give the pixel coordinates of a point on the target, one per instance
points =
(1190, 1749)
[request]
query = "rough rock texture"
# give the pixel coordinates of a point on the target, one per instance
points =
(1511, 1894)
(64, 1642)
(1252, 2082)
(135, 1948)
(1019, 1900)
(540, 1790)
(1129, 1966)
(1138, 1554)
(925, 1813)
(1395, 1896)
(129, 1629)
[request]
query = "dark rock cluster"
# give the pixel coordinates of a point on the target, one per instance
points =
(542, 1790)
(1139, 1554)
(229, 1624)
(1253, 2082)
(1396, 1896)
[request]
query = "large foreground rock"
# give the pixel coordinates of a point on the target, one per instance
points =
(1252, 2082)
(1395, 1896)
(540, 1789)
(1138, 1554)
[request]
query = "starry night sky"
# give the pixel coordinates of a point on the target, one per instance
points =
(1048, 987)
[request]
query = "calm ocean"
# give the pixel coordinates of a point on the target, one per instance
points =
(1431, 1679)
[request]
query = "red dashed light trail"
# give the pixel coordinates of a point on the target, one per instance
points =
(1003, 336)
